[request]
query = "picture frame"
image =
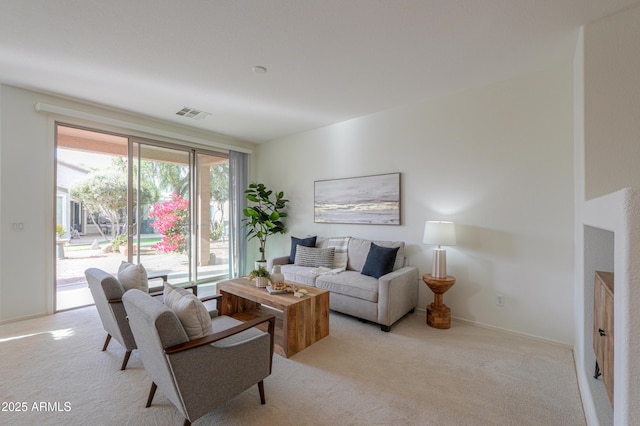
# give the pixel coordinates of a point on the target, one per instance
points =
(371, 200)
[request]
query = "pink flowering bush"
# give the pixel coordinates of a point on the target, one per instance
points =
(171, 221)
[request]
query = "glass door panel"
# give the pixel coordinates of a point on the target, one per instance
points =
(212, 211)
(161, 223)
(91, 209)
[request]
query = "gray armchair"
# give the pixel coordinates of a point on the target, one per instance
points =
(107, 294)
(201, 374)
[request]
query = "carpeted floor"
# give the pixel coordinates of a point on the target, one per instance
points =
(414, 375)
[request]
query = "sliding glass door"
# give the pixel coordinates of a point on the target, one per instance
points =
(161, 225)
(126, 199)
(212, 218)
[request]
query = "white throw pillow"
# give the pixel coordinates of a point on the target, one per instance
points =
(340, 257)
(133, 276)
(190, 310)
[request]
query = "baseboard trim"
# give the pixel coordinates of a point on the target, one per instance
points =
(516, 333)
(588, 404)
(9, 321)
(506, 330)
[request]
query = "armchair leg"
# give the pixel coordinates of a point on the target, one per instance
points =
(106, 343)
(385, 328)
(186, 423)
(261, 389)
(152, 392)
(126, 360)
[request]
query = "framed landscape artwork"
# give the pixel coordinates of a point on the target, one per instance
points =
(361, 200)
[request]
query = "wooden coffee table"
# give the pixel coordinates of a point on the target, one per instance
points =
(300, 322)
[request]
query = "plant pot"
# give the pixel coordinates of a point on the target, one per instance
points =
(262, 282)
(125, 250)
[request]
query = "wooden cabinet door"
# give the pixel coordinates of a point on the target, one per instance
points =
(598, 322)
(607, 367)
(603, 333)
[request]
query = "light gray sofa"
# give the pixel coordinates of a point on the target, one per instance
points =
(381, 300)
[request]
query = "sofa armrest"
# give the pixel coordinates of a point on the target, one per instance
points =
(397, 294)
(282, 260)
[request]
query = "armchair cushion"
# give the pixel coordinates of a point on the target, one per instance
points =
(191, 312)
(133, 276)
(380, 261)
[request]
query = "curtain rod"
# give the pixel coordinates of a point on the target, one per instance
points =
(56, 109)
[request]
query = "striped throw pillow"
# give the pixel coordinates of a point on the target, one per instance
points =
(314, 257)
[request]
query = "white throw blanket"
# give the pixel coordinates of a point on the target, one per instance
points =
(325, 271)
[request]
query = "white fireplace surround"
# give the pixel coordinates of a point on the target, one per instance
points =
(618, 213)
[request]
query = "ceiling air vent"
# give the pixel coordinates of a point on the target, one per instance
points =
(192, 113)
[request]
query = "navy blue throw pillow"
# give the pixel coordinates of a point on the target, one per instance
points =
(380, 261)
(307, 242)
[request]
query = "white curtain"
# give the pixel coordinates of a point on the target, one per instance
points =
(238, 183)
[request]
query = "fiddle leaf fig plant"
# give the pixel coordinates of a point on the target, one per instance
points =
(265, 216)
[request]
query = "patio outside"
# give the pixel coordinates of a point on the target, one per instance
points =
(73, 291)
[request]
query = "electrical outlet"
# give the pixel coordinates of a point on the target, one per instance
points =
(499, 299)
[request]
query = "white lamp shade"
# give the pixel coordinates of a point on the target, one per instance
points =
(439, 233)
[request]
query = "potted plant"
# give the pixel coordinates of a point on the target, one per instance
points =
(60, 231)
(265, 216)
(60, 242)
(261, 275)
(119, 243)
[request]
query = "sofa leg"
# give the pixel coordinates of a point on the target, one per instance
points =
(385, 328)
(261, 390)
(412, 310)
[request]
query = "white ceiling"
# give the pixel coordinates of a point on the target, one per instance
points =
(327, 60)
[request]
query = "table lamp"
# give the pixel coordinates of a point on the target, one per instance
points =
(439, 233)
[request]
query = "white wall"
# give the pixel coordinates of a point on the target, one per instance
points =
(3, 226)
(27, 190)
(612, 103)
(607, 148)
(497, 160)
(27, 193)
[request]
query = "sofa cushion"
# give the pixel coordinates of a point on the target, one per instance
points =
(314, 257)
(295, 242)
(380, 261)
(359, 250)
(298, 274)
(191, 312)
(133, 276)
(350, 283)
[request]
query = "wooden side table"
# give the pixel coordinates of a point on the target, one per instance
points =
(438, 314)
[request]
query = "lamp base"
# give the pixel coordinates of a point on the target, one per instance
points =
(439, 269)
